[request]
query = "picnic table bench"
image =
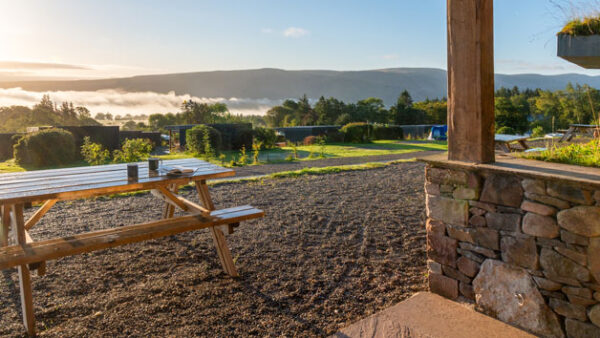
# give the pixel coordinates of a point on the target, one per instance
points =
(505, 140)
(579, 129)
(51, 186)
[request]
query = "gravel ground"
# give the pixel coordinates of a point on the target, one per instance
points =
(331, 250)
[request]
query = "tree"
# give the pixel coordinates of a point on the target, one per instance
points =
(100, 116)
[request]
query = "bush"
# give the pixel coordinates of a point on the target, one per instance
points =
(381, 132)
(309, 140)
(537, 132)
(358, 132)
(506, 130)
(203, 140)
(133, 150)
(265, 136)
(334, 137)
(50, 147)
(94, 153)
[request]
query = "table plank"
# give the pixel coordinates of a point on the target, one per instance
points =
(504, 138)
(99, 181)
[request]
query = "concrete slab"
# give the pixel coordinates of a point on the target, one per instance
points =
(429, 315)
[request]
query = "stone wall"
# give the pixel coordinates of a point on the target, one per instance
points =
(526, 250)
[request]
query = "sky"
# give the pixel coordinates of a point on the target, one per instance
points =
(96, 39)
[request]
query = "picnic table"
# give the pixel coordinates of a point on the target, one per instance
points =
(51, 186)
(579, 129)
(505, 141)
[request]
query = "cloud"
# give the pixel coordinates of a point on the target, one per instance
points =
(135, 103)
(295, 32)
(390, 56)
(38, 65)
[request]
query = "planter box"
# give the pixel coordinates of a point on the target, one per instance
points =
(580, 50)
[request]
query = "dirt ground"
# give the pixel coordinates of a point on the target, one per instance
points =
(331, 250)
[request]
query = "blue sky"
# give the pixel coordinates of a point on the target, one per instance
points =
(121, 38)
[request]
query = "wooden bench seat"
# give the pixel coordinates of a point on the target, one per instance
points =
(44, 250)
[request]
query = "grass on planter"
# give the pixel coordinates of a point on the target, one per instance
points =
(582, 27)
(583, 154)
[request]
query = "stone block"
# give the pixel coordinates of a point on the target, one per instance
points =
(443, 286)
(594, 315)
(576, 300)
(460, 233)
(434, 267)
(534, 186)
(455, 274)
(477, 221)
(549, 242)
(547, 284)
(509, 293)
(446, 189)
(477, 211)
(557, 265)
(538, 208)
(436, 227)
(466, 290)
(502, 190)
(568, 310)
(560, 204)
(563, 280)
(432, 188)
(464, 193)
(577, 329)
(571, 238)
(584, 221)
(569, 193)
(520, 251)
(448, 210)
(553, 294)
(580, 292)
(471, 255)
(485, 206)
(579, 258)
(467, 266)
(597, 296)
(505, 222)
(540, 226)
(487, 238)
(446, 176)
(483, 251)
(441, 249)
(593, 255)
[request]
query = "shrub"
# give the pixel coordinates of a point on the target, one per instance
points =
(243, 157)
(358, 132)
(94, 153)
(50, 147)
(582, 27)
(197, 138)
(266, 136)
(506, 130)
(133, 150)
(334, 137)
(256, 151)
(381, 132)
(537, 131)
(309, 140)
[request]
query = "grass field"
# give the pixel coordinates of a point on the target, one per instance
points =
(304, 153)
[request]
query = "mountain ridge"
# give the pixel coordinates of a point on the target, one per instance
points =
(279, 84)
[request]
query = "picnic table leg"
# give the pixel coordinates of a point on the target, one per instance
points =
(24, 273)
(5, 225)
(169, 210)
(523, 144)
(217, 234)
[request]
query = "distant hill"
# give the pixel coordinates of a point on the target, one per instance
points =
(277, 84)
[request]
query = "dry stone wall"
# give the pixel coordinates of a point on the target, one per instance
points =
(525, 250)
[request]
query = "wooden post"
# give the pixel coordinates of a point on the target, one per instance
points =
(24, 273)
(470, 81)
(5, 225)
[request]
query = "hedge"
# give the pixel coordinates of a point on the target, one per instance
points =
(50, 147)
(358, 132)
(265, 136)
(196, 139)
(381, 132)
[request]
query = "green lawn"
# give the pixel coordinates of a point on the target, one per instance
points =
(313, 152)
(305, 153)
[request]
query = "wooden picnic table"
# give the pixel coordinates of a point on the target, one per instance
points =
(579, 129)
(505, 141)
(51, 186)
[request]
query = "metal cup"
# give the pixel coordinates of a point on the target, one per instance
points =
(132, 172)
(153, 163)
